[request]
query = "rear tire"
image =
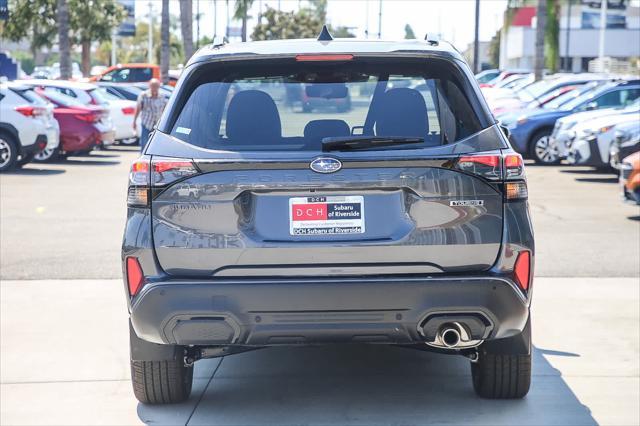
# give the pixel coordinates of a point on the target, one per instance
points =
(161, 382)
(8, 152)
(501, 376)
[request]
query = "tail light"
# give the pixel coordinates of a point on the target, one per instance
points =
(31, 111)
(508, 168)
(522, 270)
(135, 276)
(88, 117)
(128, 110)
(147, 177)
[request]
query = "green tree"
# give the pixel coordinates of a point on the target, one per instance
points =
(93, 20)
(408, 32)
(241, 12)
(552, 36)
(34, 20)
(186, 26)
(164, 42)
(494, 50)
(278, 25)
(64, 41)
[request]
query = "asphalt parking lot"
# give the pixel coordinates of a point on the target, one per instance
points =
(65, 344)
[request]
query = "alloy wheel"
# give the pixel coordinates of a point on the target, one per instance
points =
(45, 154)
(545, 151)
(5, 152)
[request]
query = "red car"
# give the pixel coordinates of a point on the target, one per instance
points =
(78, 131)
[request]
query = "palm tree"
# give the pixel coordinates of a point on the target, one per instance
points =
(164, 43)
(186, 25)
(541, 18)
(241, 12)
(63, 40)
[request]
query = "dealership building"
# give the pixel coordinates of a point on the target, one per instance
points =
(579, 34)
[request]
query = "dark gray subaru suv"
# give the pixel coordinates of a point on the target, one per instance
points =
(392, 212)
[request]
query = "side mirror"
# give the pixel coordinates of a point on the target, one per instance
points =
(505, 131)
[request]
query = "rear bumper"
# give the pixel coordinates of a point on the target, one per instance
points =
(308, 311)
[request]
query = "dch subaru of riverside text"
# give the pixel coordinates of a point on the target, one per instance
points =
(391, 212)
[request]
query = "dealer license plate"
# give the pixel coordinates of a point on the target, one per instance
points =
(333, 215)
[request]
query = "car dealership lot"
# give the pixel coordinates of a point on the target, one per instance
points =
(65, 220)
(65, 344)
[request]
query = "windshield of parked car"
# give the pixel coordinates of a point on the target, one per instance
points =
(297, 105)
(534, 90)
(570, 95)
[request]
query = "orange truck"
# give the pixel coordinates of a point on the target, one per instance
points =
(131, 73)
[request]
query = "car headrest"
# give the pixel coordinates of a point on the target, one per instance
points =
(252, 117)
(402, 112)
(316, 130)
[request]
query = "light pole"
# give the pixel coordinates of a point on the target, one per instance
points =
(603, 27)
(567, 58)
(380, 20)
(476, 42)
(150, 40)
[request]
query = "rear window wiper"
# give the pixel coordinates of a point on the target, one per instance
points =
(342, 143)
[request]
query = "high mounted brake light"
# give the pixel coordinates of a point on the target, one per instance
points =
(146, 175)
(321, 58)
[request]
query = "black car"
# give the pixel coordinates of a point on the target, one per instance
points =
(402, 221)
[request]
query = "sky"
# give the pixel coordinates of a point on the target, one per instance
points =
(453, 19)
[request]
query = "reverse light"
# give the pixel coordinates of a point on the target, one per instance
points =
(515, 191)
(320, 58)
(135, 277)
(522, 270)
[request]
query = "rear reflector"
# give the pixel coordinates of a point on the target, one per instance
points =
(316, 58)
(516, 191)
(522, 270)
(135, 277)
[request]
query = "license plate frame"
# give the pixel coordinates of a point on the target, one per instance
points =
(326, 215)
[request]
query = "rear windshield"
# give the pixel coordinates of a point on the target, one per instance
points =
(31, 96)
(295, 105)
(62, 100)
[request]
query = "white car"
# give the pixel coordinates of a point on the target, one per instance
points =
(593, 140)
(116, 125)
(27, 125)
(564, 132)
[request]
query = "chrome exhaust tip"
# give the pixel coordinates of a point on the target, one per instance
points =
(450, 337)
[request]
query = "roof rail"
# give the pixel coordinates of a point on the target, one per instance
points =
(325, 35)
(432, 39)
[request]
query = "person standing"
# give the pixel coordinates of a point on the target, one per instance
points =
(149, 107)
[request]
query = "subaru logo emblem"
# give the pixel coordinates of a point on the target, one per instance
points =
(325, 165)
